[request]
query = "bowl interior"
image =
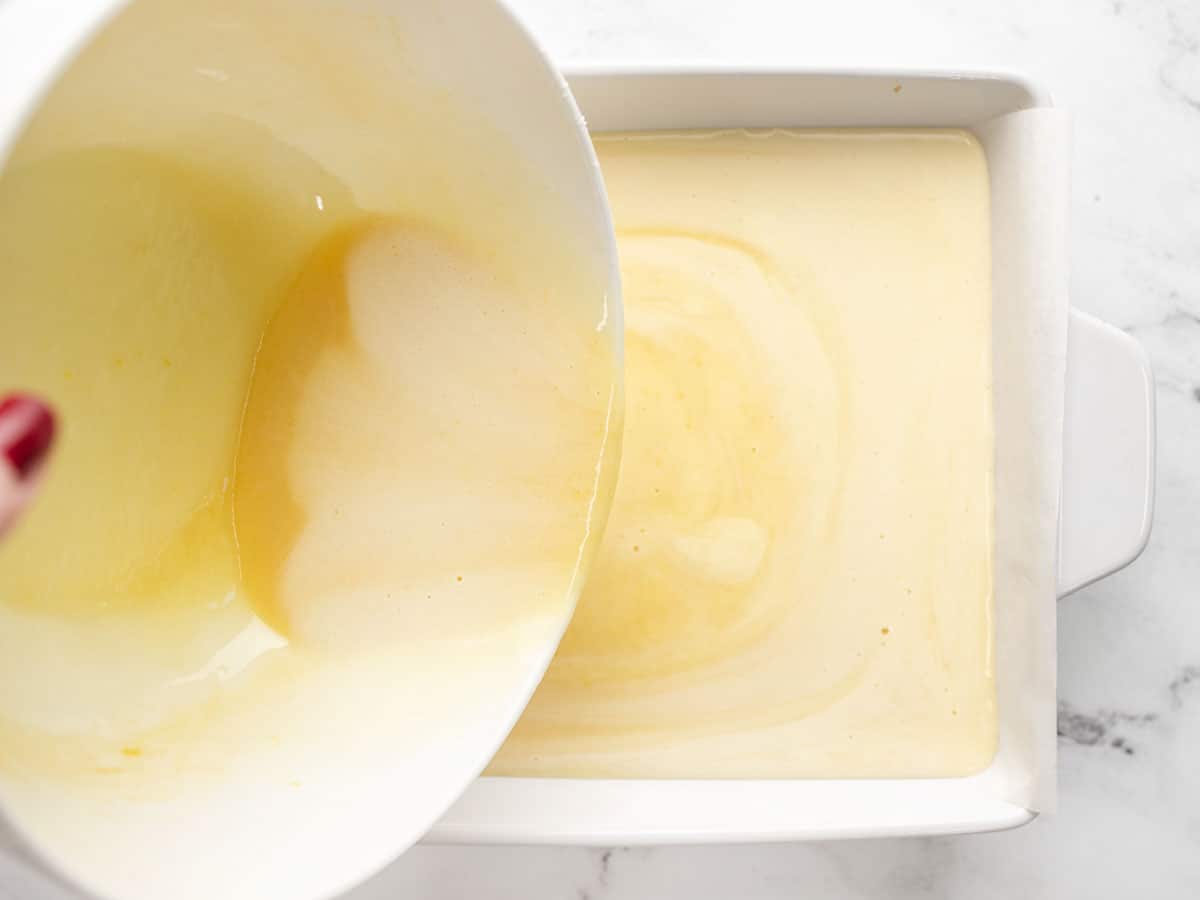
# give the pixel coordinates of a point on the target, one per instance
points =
(384, 747)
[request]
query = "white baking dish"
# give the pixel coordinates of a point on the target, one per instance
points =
(1104, 517)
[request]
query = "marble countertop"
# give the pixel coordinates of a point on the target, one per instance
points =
(1128, 821)
(1129, 647)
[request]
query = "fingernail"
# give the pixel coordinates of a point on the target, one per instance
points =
(26, 431)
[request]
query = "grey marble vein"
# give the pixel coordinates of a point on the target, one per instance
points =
(1188, 679)
(1101, 727)
(1180, 71)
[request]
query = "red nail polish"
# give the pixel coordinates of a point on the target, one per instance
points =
(26, 431)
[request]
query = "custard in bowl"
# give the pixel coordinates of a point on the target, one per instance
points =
(330, 314)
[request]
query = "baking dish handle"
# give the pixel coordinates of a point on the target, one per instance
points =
(1108, 453)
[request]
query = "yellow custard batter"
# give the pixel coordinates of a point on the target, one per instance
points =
(796, 577)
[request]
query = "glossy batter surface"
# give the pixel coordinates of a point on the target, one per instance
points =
(796, 579)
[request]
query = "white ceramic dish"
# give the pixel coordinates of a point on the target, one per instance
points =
(1105, 510)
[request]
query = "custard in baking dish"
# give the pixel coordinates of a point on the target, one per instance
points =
(796, 580)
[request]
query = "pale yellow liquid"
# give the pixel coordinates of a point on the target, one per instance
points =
(324, 436)
(796, 578)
